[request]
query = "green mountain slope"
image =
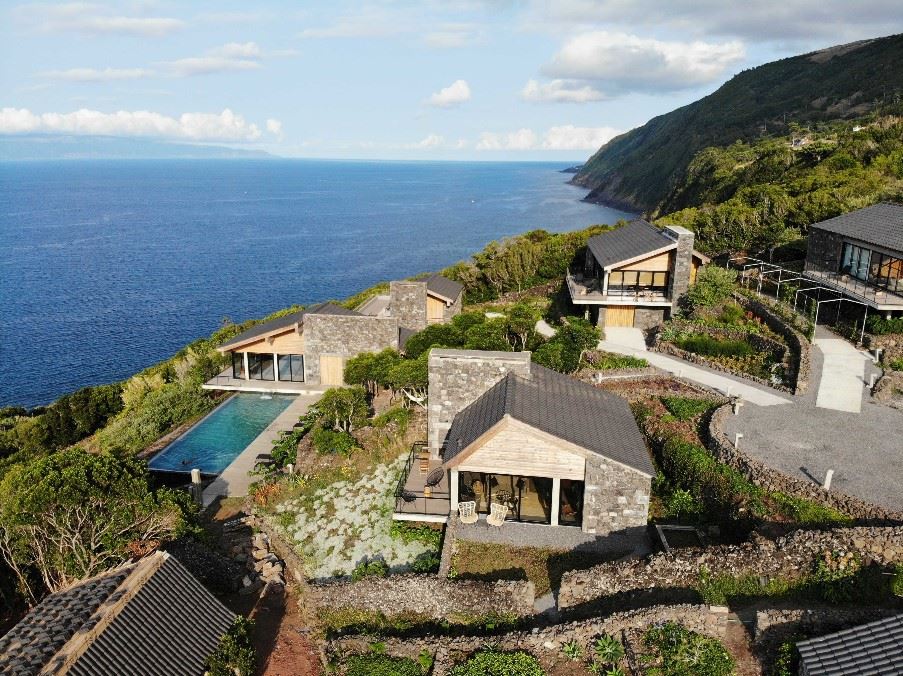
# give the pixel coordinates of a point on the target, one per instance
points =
(639, 169)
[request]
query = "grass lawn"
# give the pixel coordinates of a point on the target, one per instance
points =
(543, 567)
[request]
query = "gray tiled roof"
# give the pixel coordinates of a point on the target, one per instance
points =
(577, 412)
(287, 321)
(880, 224)
(147, 618)
(443, 286)
(875, 648)
(633, 239)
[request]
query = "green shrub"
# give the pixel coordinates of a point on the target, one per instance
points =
(381, 665)
(713, 286)
(572, 651)
(682, 503)
(492, 663)
(787, 661)
(896, 585)
(343, 408)
(677, 651)
(565, 351)
(879, 326)
(808, 512)
(608, 650)
(326, 441)
(732, 313)
(399, 416)
(708, 346)
(235, 655)
(896, 364)
(609, 360)
(370, 568)
(686, 408)
(434, 335)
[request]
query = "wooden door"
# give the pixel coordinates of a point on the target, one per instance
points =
(435, 310)
(331, 370)
(619, 315)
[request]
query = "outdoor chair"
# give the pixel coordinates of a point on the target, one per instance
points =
(467, 512)
(497, 514)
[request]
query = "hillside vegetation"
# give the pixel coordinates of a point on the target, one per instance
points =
(761, 194)
(639, 169)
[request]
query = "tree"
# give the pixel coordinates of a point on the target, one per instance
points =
(564, 352)
(522, 320)
(371, 369)
(490, 335)
(344, 408)
(434, 335)
(74, 514)
(411, 378)
(713, 286)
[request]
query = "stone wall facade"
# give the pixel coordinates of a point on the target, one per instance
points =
(427, 595)
(683, 263)
(646, 318)
(772, 480)
(790, 557)
(615, 497)
(776, 625)
(345, 335)
(544, 643)
(458, 377)
(407, 303)
(823, 250)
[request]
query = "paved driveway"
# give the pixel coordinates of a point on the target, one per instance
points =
(842, 376)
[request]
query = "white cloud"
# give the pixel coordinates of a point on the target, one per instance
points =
(564, 137)
(93, 19)
(431, 141)
(452, 35)
(225, 126)
(366, 22)
(238, 50)
(97, 75)
(560, 91)
(274, 127)
(621, 62)
(231, 57)
(455, 94)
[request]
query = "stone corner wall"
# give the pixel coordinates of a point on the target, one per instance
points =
(345, 335)
(458, 377)
(800, 346)
(615, 497)
(683, 265)
(453, 310)
(648, 317)
(773, 480)
(407, 303)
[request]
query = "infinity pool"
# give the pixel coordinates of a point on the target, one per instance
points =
(218, 439)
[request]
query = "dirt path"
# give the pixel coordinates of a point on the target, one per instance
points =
(739, 645)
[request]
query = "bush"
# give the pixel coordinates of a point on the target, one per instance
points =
(434, 335)
(787, 661)
(370, 568)
(381, 665)
(343, 408)
(896, 364)
(326, 441)
(879, 326)
(235, 655)
(609, 360)
(677, 651)
(686, 408)
(565, 351)
(713, 286)
(708, 346)
(492, 663)
(732, 313)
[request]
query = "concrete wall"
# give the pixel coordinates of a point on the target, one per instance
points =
(458, 377)
(345, 335)
(683, 262)
(615, 497)
(407, 303)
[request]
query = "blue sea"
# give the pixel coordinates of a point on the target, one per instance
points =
(109, 266)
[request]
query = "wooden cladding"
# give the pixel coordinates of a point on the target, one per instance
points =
(332, 370)
(290, 342)
(620, 315)
(435, 310)
(660, 263)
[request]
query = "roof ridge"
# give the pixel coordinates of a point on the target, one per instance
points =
(106, 612)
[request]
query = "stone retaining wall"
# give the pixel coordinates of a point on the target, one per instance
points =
(888, 389)
(790, 557)
(776, 625)
(545, 643)
(693, 358)
(772, 480)
(435, 597)
(799, 345)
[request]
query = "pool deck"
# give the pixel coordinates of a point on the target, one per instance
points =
(234, 480)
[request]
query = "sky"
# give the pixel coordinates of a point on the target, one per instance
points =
(431, 80)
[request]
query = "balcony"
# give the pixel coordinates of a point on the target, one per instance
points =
(414, 499)
(228, 382)
(875, 296)
(589, 292)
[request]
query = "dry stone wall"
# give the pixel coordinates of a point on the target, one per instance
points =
(790, 557)
(776, 625)
(545, 643)
(614, 498)
(435, 597)
(772, 480)
(407, 303)
(345, 335)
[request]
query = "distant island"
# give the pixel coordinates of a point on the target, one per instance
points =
(54, 147)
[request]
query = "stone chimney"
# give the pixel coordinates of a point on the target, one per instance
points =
(683, 262)
(407, 303)
(457, 378)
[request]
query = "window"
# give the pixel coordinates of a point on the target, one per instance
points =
(528, 498)
(570, 505)
(261, 366)
(874, 267)
(855, 261)
(291, 367)
(238, 365)
(632, 282)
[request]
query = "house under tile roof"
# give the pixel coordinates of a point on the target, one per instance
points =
(635, 239)
(286, 322)
(147, 617)
(880, 224)
(443, 287)
(598, 421)
(875, 648)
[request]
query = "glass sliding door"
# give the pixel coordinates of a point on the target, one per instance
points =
(261, 366)
(291, 367)
(238, 365)
(529, 499)
(570, 505)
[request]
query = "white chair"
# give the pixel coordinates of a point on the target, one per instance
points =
(467, 512)
(497, 514)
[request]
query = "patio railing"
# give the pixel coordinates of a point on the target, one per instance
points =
(853, 285)
(413, 499)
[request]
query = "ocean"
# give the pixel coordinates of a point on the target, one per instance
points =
(109, 266)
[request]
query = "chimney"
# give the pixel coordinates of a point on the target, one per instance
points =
(457, 378)
(407, 303)
(683, 262)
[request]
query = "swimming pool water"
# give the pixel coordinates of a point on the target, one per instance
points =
(219, 438)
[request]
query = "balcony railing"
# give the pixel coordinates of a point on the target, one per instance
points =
(412, 495)
(853, 285)
(582, 289)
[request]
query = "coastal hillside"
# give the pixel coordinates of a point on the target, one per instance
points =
(638, 170)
